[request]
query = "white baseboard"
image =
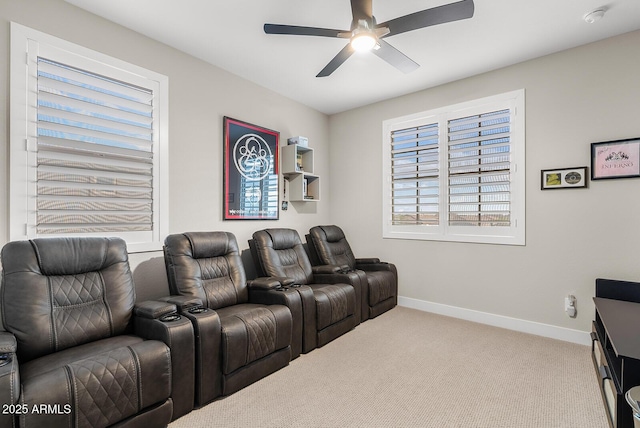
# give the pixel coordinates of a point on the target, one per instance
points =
(531, 327)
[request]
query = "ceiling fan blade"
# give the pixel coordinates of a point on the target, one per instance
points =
(394, 57)
(426, 18)
(361, 9)
(337, 61)
(302, 31)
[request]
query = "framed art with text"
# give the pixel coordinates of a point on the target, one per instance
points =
(564, 178)
(250, 171)
(615, 159)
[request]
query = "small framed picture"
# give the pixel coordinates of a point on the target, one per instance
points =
(564, 178)
(615, 159)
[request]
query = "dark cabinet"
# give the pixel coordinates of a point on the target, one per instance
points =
(616, 346)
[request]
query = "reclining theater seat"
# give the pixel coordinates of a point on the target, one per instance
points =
(280, 253)
(380, 290)
(68, 308)
(255, 338)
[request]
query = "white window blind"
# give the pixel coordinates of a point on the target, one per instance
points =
(89, 144)
(479, 166)
(415, 165)
(94, 153)
(457, 173)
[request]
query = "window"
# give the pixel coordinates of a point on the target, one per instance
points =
(88, 144)
(457, 173)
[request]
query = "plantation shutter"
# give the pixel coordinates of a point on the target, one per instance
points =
(415, 171)
(94, 153)
(479, 163)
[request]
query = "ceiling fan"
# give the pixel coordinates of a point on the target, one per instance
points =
(366, 34)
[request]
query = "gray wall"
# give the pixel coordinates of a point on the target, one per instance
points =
(200, 95)
(573, 98)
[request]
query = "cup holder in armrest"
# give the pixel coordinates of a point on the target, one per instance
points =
(197, 310)
(170, 317)
(5, 359)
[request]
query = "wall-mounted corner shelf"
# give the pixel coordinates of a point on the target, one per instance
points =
(296, 163)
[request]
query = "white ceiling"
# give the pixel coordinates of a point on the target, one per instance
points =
(229, 35)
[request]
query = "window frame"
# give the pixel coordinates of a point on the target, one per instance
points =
(507, 235)
(26, 46)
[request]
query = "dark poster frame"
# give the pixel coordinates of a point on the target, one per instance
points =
(250, 171)
(615, 159)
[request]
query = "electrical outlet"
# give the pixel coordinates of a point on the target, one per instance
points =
(570, 305)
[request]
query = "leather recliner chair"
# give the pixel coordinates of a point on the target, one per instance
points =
(380, 291)
(253, 337)
(331, 306)
(79, 354)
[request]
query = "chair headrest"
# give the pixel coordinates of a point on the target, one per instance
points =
(211, 244)
(333, 233)
(72, 256)
(281, 239)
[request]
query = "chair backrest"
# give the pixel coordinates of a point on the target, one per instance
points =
(281, 253)
(206, 265)
(331, 246)
(62, 292)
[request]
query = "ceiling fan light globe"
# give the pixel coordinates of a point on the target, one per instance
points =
(363, 42)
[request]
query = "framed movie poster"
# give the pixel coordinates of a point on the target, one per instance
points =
(615, 159)
(250, 171)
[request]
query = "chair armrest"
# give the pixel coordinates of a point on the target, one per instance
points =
(183, 303)
(267, 283)
(351, 278)
(9, 378)
(368, 260)
(285, 281)
(157, 320)
(157, 310)
(326, 269)
(8, 343)
(370, 266)
(207, 332)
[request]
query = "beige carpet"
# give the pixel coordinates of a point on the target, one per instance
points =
(409, 368)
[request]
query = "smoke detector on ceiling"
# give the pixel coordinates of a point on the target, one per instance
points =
(594, 16)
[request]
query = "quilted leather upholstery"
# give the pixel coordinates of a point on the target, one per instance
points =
(57, 293)
(381, 286)
(334, 303)
(281, 254)
(207, 265)
(251, 332)
(69, 303)
(101, 388)
(331, 247)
